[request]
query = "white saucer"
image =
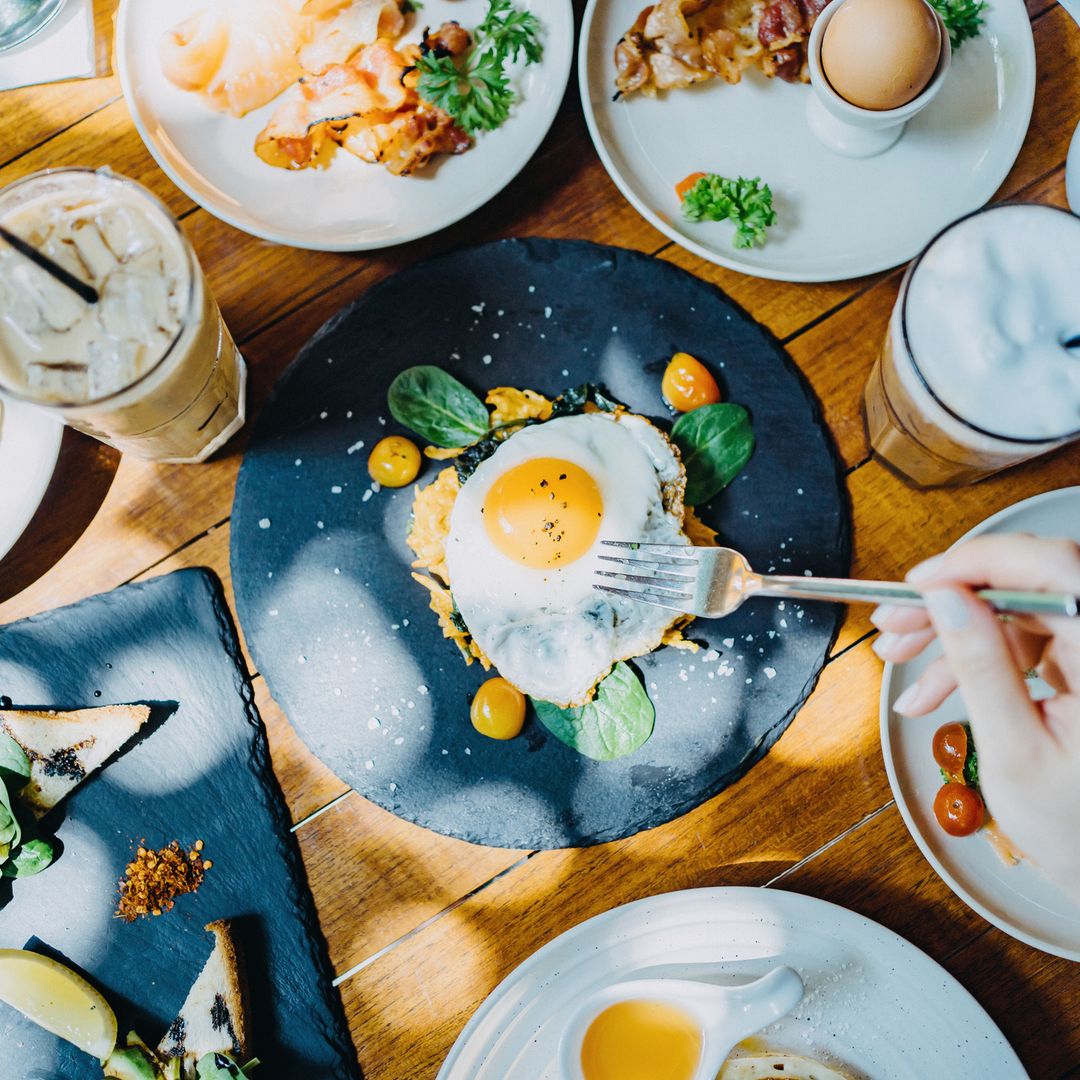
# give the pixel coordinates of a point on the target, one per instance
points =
(1016, 899)
(838, 218)
(873, 1003)
(351, 205)
(29, 447)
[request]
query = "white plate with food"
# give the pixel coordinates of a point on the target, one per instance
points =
(1015, 897)
(875, 1006)
(836, 217)
(301, 121)
(29, 447)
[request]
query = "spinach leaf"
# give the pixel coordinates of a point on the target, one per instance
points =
(615, 723)
(29, 858)
(14, 764)
(470, 458)
(437, 407)
(10, 829)
(571, 402)
(217, 1067)
(971, 762)
(716, 442)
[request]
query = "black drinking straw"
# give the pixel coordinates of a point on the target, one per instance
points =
(84, 291)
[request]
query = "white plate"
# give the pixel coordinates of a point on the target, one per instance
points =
(29, 447)
(838, 218)
(874, 1003)
(1017, 899)
(351, 205)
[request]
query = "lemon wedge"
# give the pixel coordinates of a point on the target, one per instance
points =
(57, 999)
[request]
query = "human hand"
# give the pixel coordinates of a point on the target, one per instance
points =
(1029, 752)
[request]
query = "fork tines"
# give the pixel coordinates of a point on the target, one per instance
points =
(665, 570)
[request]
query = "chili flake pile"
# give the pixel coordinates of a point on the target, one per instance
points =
(154, 879)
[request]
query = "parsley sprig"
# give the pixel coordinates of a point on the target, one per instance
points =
(748, 203)
(963, 18)
(475, 90)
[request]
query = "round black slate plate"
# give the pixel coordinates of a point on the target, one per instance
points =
(345, 638)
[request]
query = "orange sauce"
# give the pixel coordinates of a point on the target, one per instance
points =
(641, 1040)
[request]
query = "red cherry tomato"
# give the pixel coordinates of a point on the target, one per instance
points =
(688, 384)
(683, 186)
(959, 810)
(951, 749)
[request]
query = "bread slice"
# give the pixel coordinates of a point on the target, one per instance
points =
(213, 1018)
(64, 748)
(777, 1067)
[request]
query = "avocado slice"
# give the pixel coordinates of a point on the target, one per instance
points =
(130, 1064)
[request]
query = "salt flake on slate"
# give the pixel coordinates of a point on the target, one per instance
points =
(547, 313)
(770, 673)
(479, 308)
(359, 445)
(336, 489)
(264, 523)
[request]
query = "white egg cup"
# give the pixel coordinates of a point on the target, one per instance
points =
(726, 1014)
(847, 129)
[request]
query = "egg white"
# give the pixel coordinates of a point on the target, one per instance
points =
(548, 631)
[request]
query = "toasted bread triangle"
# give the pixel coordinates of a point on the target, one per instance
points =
(212, 1019)
(64, 748)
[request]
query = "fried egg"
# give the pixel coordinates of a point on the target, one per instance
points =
(525, 538)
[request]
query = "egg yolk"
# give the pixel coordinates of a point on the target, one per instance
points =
(543, 513)
(688, 384)
(394, 461)
(498, 710)
(641, 1040)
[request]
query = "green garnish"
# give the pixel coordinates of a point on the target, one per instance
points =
(748, 203)
(716, 442)
(22, 851)
(971, 762)
(963, 18)
(618, 721)
(437, 407)
(475, 89)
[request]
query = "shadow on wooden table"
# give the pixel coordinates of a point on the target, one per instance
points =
(84, 473)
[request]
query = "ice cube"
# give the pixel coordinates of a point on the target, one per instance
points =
(93, 250)
(63, 383)
(114, 365)
(36, 302)
(127, 234)
(134, 305)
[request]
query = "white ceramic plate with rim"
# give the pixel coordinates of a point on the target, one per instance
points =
(1017, 899)
(29, 447)
(837, 217)
(351, 205)
(874, 1004)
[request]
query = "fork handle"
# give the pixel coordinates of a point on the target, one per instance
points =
(896, 592)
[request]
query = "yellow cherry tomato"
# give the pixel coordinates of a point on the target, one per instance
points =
(688, 384)
(498, 710)
(394, 461)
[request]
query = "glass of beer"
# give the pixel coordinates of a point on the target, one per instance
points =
(150, 368)
(975, 375)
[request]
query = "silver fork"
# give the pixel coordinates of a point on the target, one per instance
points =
(714, 581)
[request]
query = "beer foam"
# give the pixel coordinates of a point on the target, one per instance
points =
(987, 309)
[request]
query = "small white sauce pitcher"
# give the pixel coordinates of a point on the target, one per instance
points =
(726, 1014)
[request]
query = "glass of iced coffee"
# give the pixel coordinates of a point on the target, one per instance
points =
(975, 375)
(150, 367)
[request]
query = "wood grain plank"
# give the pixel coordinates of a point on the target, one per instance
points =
(407, 1006)
(878, 871)
(34, 114)
(106, 137)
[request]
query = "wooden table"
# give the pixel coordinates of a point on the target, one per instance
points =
(421, 927)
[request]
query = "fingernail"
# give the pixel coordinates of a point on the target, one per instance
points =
(925, 569)
(908, 701)
(947, 610)
(885, 644)
(883, 614)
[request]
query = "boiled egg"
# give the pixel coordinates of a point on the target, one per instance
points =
(525, 537)
(881, 54)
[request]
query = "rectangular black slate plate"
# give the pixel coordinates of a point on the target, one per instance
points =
(201, 771)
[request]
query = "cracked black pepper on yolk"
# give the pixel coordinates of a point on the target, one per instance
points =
(543, 513)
